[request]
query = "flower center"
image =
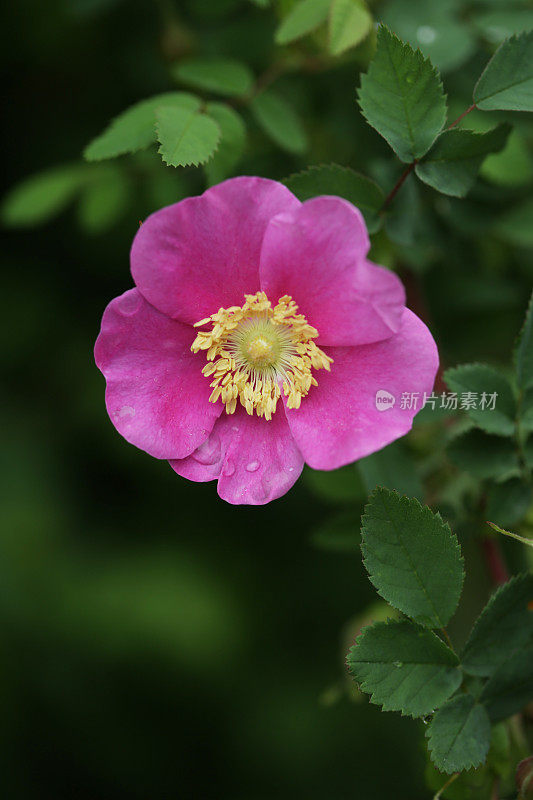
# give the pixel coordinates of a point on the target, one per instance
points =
(256, 351)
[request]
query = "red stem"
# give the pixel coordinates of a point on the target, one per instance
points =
(458, 120)
(494, 560)
(403, 177)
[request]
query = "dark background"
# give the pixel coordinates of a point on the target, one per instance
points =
(157, 642)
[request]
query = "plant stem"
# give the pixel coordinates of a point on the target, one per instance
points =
(458, 120)
(401, 180)
(494, 560)
(448, 782)
(447, 637)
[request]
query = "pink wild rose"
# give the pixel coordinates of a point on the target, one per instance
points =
(257, 338)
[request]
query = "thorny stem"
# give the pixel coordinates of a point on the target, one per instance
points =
(405, 174)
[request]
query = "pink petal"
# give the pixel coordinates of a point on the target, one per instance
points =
(196, 256)
(156, 395)
(338, 421)
(317, 254)
(255, 461)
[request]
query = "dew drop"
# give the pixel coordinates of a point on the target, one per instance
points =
(129, 303)
(229, 468)
(253, 466)
(398, 664)
(426, 34)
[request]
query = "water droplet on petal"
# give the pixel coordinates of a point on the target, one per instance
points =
(229, 468)
(253, 466)
(129, 303)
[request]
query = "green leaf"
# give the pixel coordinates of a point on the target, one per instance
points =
(507, 82)
(339, 533)
(511, 686)
(231, 145)
(40, 197)
(402, 97)
(508, 502)
(516, 226)
(337, 486)
(219, 75)
(134, 129)
(433, 27)
(412, 557)
(524, 351)
(499, 25)
(513, 166)
(482, 455)
(452, 164)
(303, 18)
(277, 118)
(404, 667)
(504, 625)
(104, 199)
(343, 182)
(186, 137)
(459, 735)
(394, 468)
(349, 23)
(475, 384)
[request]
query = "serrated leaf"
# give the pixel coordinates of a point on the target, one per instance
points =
(343, 182)
(219, 75)
(134, 129)
(511, 686)
(40, 197)
(186, 137)
(452, 164)
(279, 121)
(232, 142)
(402, 97)
(404, 667)
(524, 351)
(393, 468)
(303, 18)
(504, 625)
(433, 27)
(482, 455)
(104, 199)
(507, 81)
(470, 380)
(412, 557)
(349, 23)
(459, 735)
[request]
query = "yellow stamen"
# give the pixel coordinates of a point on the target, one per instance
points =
(256, 351)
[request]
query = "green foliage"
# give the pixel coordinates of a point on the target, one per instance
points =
(402, 97)
(459, 735)
(412, 557)
(404, 667)
(40, 197)
(524, 351)
(339, 533)
(186, 136)
(393, 468)
(104, 199)
(452, 164)
(507, 82)
(508, 502)
(302, 19)
(134, 129)
(482, 380)
(482, 455)
(433, 27)
(349, 23)
(511, 686)
(232, 142)
(279, 121)
(219, 75)
(516, 226)
(504, 626)
(343, 182)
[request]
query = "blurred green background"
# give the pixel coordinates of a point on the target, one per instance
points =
(157, 642)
